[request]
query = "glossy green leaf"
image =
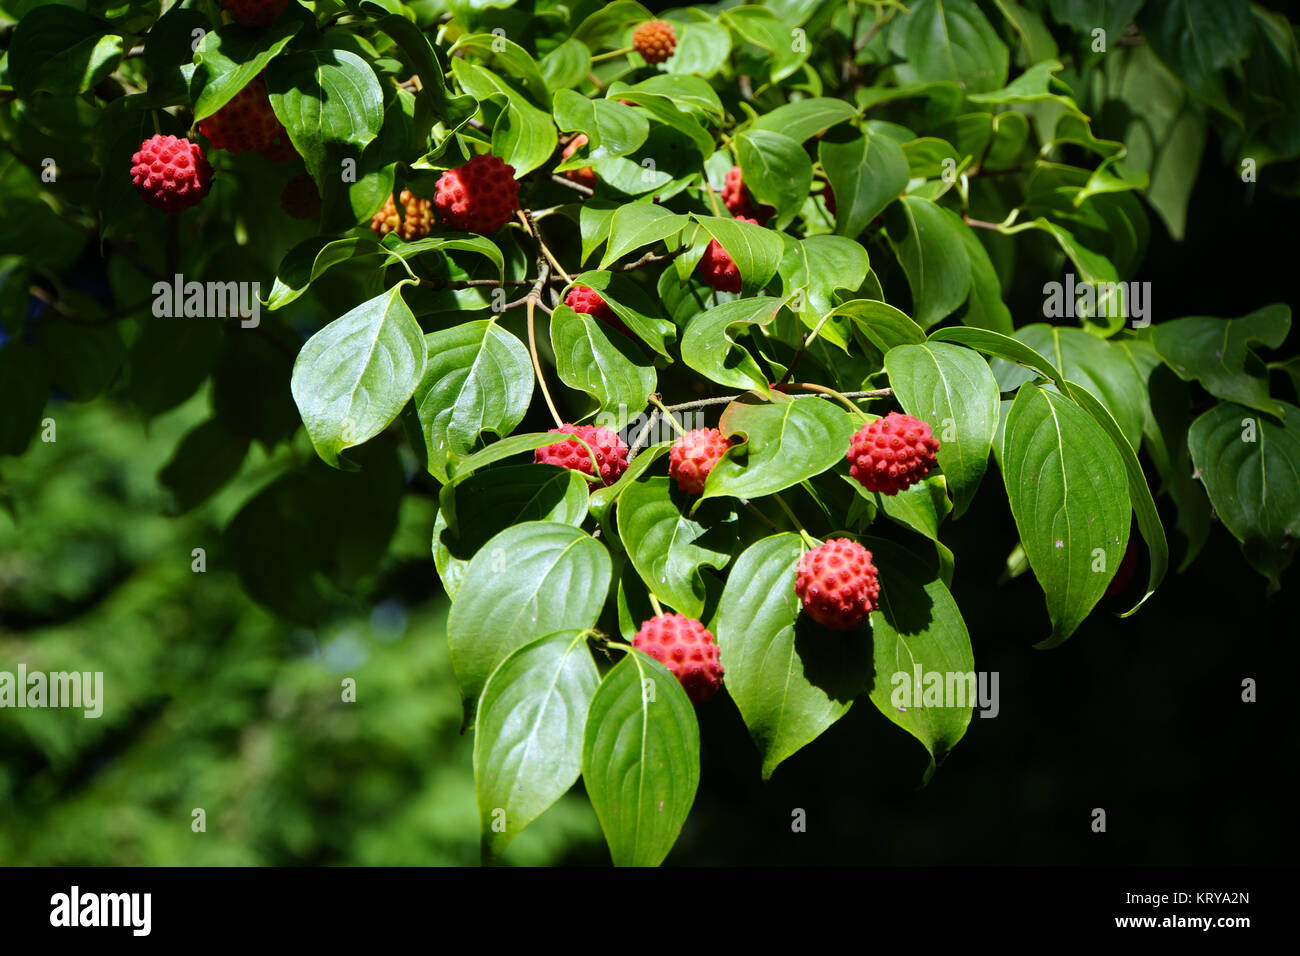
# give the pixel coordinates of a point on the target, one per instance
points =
(1217, 353)
(709, 348)
(596, 359)
(951, 388)
(528, 733)
(1069, 496)
(756, 251)
(639, 224)
(930, 249)
(805, 119)
(1249, 465)
(788, 680)
(950, 40)
(641, 759)
(776, 171)
(354, 376)
(478, 378)
(867, 174)
(787, 441)
(666, 547)
(61, 50)
(490, 501)
(557, 579)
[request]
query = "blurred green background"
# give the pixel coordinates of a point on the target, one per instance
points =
(211, 702)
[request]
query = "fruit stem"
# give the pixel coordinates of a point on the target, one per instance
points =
(654, 602)
(537, 364)
(671, 418)
(842, 399)
(601, 57)
(803, 532)
(760, 516)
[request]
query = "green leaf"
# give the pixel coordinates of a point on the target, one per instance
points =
(949, 40)
(1069, 496)
(477, 378)
(500, 450)
(756, 251)
(788, 680)
(919, 626)
(702, 48)
(522, 135)
(528, 736)
(951, 388)
(930, 249)
(309, 260)
(353, 377)
(867, 174)
(1163, 127)
(227, 60)
(1249, 464)
(592, 357)
(1144, 505)
(489, 502)
(883, 325)
(1095, 364)
(1113, 16)
(1198, 39)
(566, 66)
(609, 21)
(61, 50)
(984, 308)
(805, 119)
(787, 441)
(612, 129)
(665, 546)
(663, 109)
(517, 61)
(1217, 353)
(639, 224)
(169, 360)
(332, 106)
(776, 171)
(632, 306)
(820, 266)
(641, 759)
(708, 347)
(1032, 86)
(24, 387)
(1002, 346)
(434, 101)
(208, 456)
(557, 579)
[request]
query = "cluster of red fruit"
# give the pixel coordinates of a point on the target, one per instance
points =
(836, 582)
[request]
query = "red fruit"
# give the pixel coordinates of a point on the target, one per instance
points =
(717, 268)
(892, 453)
(300, 198)
(246, 123)
(687, 648)
(587, 300)
(611, 452)
(170, 173)
(254, 13)
(655, 40)
(416, 220)
(585, 176)
(837, 584)
(693, 456)
(480, 196)
(740, 203)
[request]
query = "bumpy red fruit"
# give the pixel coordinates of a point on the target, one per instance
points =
(254, 13)
(687, 648)
(717, 268)
(416, 220)
(611, 452)
(170, 173)
(587, 300)
(740, 203)
(655, 40)
(480, 196)
(586, 176)
(246, 123)
(892, 453)
(693, 456)
(837, 584)
(300, 198)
